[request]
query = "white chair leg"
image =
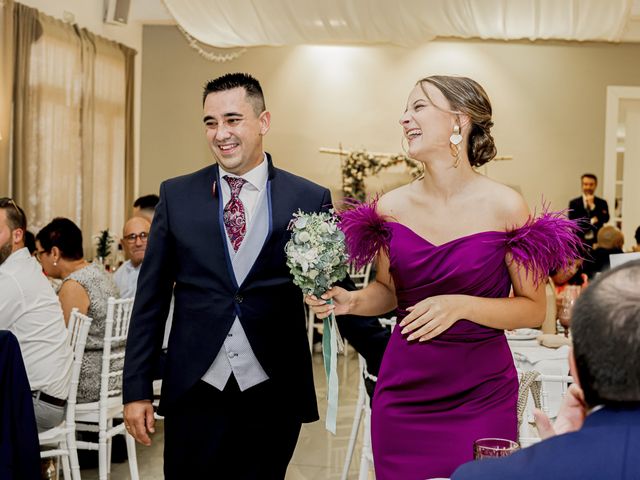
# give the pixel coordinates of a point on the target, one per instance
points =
(66, 469)
(366, 456)
(310, 327)
(131, 454)
(354, 436)
(102, 456)
(109, 445)
(73, 455)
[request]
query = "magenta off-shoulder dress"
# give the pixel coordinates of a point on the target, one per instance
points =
(434, 398)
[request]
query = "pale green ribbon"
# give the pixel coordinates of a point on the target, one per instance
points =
(331, 345)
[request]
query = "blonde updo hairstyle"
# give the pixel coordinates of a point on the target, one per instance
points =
(467, 97)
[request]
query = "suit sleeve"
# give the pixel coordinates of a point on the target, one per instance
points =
(151, 307)
(602, 213)
(365, 334)
(574, 212)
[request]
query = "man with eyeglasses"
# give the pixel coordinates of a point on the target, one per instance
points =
(30, 309)
(134, 243)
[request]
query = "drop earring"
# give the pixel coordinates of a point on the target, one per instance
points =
(454, 140)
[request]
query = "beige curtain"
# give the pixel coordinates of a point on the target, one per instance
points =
(129, 160)
(6, 87)
(48, 96)
(103, 135)
(70, 126)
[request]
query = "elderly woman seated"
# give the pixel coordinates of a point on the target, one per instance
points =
(610, 241)
(85, 286)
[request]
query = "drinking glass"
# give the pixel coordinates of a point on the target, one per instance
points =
(569, 296)
(493, 447)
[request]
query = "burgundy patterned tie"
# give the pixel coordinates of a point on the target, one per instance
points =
(234, 218)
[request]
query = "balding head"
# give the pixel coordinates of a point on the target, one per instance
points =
(606, 337)
(134, 239)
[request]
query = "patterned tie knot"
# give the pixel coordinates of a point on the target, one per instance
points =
(236, 184)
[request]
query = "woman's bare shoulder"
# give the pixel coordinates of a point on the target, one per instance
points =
(393, 202)
(511, 210)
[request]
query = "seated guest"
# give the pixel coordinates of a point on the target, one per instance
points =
(636, 247)
(145, 206)
(610, 241)
(134, 244)
(29, 308)
(85, 286)
(597, 431)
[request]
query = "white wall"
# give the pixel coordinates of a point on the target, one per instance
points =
(549, 104)
(89, 14)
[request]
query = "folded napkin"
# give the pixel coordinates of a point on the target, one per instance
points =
(553, 341)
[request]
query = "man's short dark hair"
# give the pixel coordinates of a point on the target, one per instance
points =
(606, 337)
(64, 234)
(238, 80)
(15, 215)
(589, 175)
(147, 202)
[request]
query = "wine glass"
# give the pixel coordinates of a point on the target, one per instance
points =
(569, 297)
(493, 447)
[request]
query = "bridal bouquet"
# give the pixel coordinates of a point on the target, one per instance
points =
(316, 253)
(317, 259)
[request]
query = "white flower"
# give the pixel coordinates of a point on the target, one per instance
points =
(303, 237)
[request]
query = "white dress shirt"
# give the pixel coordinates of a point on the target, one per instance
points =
(30, 309)
(250, 192)
(126, 279)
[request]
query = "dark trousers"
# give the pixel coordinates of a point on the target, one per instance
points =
(231, 434)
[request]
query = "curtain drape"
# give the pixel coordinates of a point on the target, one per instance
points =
(6, 89)
(69, 125)
(129, 145)
(245, 23)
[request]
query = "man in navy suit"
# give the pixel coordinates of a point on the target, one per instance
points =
(238, 379)
(592, 210)
(597, 432)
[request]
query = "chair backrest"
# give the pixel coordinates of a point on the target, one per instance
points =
(547, 392)
(115, 332)
(78, 330)
(360, 277)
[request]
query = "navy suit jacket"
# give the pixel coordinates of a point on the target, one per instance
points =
(601, 211)
(187, 246)
(607, 447)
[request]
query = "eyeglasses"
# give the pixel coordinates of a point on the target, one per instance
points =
(38, 253)
(6, 201)
(132, 237)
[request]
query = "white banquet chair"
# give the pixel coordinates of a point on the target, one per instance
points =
(63, 437)
(98, 416)
(540, 391)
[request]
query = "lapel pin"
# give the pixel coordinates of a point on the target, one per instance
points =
(213, 188)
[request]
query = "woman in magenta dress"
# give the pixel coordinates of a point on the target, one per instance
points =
(450, 246)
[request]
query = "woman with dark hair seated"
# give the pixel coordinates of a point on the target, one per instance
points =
(85, 286)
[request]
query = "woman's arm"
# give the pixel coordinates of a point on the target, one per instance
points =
(73, 295)
(377, 298)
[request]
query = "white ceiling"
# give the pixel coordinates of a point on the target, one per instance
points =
(154, 12)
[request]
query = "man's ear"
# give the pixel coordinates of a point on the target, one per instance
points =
(573, 369)
(18, 236)
(265, 122)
